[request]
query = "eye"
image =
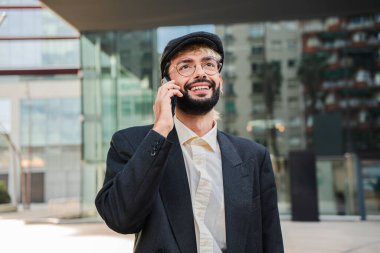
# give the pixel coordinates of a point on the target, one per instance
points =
(184, 66)
(210, 64)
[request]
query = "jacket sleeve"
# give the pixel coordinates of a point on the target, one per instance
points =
(132, 180)
(272, 237)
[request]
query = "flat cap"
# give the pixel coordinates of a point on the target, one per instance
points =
(177, 44)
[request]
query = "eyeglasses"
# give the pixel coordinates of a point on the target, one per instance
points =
(187, 67)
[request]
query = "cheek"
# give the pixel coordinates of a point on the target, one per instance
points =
(177, 77)
(218, 82)
(181, 82)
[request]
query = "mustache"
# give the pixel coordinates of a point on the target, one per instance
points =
(186, 86)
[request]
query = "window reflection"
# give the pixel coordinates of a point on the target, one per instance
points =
(50, 122)
(280, 81)
(31, 54)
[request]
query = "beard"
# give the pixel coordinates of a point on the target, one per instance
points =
(202, 106)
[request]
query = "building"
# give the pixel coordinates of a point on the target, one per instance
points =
(340, 72)
(262, 95)
(40, 99)
(117, 92)
(346, 51)
(249, 49)
(119, 76)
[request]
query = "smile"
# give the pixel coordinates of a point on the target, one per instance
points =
(199, 88)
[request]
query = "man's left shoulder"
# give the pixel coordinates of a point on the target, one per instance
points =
(244, 145)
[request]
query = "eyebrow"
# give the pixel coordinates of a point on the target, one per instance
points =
(209, 58)
(187, 60)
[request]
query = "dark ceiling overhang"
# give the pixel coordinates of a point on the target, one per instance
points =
(100, 15)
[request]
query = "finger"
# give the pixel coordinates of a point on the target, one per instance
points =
(173, 92)
(166, 87)
(169, 86)
(168, 90)
(171, 81)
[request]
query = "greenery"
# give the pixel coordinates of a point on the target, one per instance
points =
(4, 196)
(271, 78)
(311, 73)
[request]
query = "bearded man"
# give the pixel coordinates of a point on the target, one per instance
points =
(182, 185)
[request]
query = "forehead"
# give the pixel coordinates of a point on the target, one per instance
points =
(199, 53)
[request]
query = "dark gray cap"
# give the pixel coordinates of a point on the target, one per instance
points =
(177, 44)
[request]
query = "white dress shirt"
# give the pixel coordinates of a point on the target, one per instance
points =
(204, 171)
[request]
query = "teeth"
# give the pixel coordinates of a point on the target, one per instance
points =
(199, 88)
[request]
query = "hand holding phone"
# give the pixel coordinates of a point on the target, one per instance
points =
(164, 106)
(173, 98)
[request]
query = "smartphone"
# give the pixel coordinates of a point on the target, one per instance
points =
(174, 98)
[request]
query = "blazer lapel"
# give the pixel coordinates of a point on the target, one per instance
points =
(175, 194)
(237, 195)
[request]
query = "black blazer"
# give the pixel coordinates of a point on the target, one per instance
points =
(146, 192)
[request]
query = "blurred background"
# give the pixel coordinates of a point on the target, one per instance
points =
(305, 83)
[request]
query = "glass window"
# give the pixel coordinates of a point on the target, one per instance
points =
(295, 141)
(4, 153)
(230, 107)
(20, 2)
(371, 182)
(5, 115)
(257, 87)
(291, 25)
(292, 84)
(257, 50)
(121, 77)
(118, 85)
(50, 122)
(291, 63)
(295, 122)
(254, 67)
(39, 54)
(292, 43)
(257, 31)
(293, 102)
(229, 89)
(34, 23)
(276, 44)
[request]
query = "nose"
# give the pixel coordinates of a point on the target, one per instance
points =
(199, 72)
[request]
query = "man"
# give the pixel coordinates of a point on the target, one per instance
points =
(181, 185)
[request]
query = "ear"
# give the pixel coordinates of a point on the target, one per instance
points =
(165, 79)
(221, 82)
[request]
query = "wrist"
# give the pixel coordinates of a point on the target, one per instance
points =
(164, 131)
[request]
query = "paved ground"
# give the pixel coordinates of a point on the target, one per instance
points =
(32, 232)
(332, 236)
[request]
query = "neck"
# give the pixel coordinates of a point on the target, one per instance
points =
(199, 124)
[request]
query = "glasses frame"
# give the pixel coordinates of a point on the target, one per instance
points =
(202, 66)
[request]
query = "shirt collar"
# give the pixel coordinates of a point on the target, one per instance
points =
(185, 134)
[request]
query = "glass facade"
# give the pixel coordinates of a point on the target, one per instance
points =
(371, 183)
(50, 122)
(40, 106)
(39, 54)
(34, 38)
(5, 115)
(20, 2)
(119, 76)
(266, 98)
(50, 144)
(44, 140)
(36, 22)
(5, 128)
(6, 159)
(294, 85)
